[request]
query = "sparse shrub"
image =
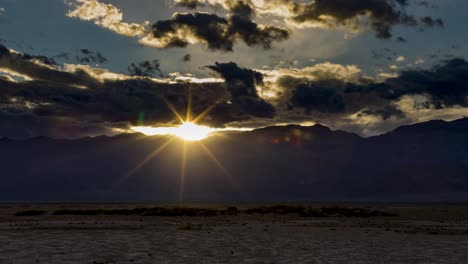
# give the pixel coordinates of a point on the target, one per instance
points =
(276, 209)
(311, 212)
(209, 212)
(180, 211)
(232, 210)
(78, 212)
(30, 213)
(154, 211)
(353, 212)
(343, 212)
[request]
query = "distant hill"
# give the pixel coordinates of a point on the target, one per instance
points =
(436, 131)
(420, 162)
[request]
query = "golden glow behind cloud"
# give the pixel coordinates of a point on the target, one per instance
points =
(187, 131)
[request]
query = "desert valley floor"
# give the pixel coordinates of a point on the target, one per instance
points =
(415, 234)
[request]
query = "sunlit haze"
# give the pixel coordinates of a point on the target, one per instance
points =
(187, 131)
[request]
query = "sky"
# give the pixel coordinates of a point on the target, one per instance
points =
(75, 68)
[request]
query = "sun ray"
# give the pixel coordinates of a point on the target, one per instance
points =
(188, 130)
(226, 173)
(204, 113)
(146, 160)
(174, 111)
(189, 106)
(183, 169)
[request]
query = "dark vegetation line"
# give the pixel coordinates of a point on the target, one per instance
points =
(304, 211)
(31, 213)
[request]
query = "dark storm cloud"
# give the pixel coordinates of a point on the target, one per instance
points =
(324, 98)
(111, 102)
(241, 8)
(446, 84)
(24, 64)
(241, 81)
(218, 32)
(81, 99)
(315, 97)
(241, 84)
(382, 15)
(22, 124)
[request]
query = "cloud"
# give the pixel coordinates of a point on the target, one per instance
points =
(240, 8)
(385, 113)
(217, 32)
(106, 16)
(325, 88)
(278, 83)
(80, 96)
(190, 4)
(21, 125)
(244, 8)
(380, 16)
(182, 29)
(90, 56)
(82, 56)
(429, 22)
(187, 58)
(316, 97)
(446, 84)
(317, 71)
(242, 85)
(342, 97)
(40, 68)
(241, 82)
(145, 69)
(220, 32)
(109, 104)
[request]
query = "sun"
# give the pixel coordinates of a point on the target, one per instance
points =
(189, 131)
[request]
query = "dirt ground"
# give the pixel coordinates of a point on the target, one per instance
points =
(420, 234)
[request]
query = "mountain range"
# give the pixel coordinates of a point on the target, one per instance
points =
(421, 162)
